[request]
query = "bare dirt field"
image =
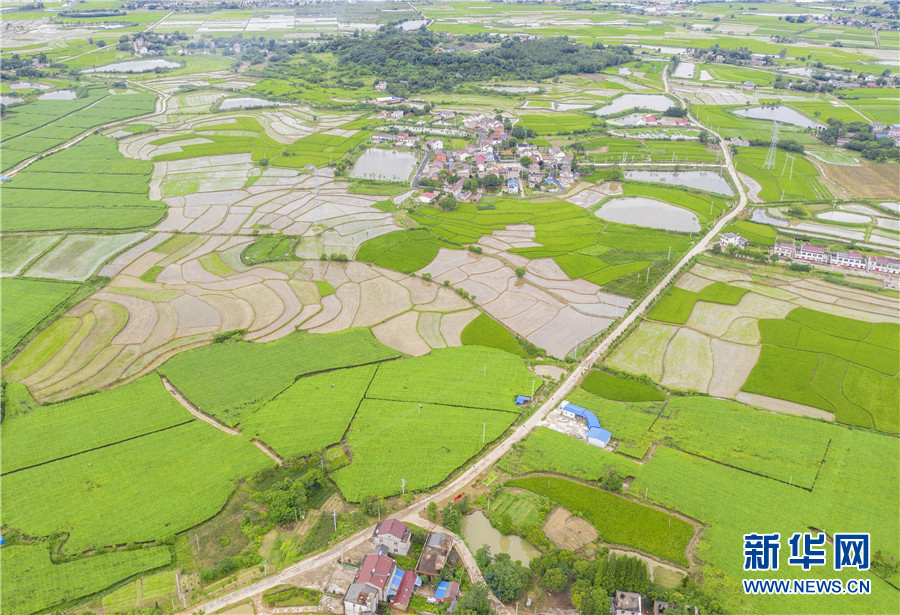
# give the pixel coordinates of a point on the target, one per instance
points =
(875, 181)
(568, 531)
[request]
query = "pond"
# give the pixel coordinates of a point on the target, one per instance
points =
(845, 216)
(701, 180)
(58, 95)
(514, 89)
(10, 100)
(133, 66)
(477, 531)
(384, 164)
(413, 24)
(656, 102)
(25, 85)
(651, 213)
(889, 223)
(684, 70)
(785, 115)
(243, 103)
(762, 216)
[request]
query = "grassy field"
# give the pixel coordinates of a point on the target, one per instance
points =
(25, 303)
(312, 413)
(36, 127)
(387, 442)
(228, 380)
(270, 248)
(176, 478)
(32, 583)
(87, 186)
(729, 501)
(841, 365)
(676, 306)
(34, 434)
(405, 251)
(619, 521)
(615, 149)
(522, 508)
(760, 234)
(566, 232)
(619, 388)
(556, 123)
(20, 250)
(782, 183)
(468, 376)
(485, 331)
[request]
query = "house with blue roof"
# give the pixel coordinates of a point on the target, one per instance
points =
(596, 435)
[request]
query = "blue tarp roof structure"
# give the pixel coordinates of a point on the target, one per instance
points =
(522, 399)
(441, 590)
(598, 433)
(395, 582)
(590, 418)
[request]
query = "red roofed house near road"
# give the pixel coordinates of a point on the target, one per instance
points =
(375, 571)
(394, 535)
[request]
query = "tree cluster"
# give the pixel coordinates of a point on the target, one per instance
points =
(506, 578)
(862, 140)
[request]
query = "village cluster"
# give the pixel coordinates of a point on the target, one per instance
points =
(500, 159)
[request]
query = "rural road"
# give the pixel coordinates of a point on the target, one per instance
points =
(411, 512)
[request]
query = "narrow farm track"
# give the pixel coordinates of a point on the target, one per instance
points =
(411, 512)
(195, 411)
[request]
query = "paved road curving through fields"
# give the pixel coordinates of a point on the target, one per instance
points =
(411, 513)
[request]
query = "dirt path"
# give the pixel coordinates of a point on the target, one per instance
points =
(194, 410)
(268, 451)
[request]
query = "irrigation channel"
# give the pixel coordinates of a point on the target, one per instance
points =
(411, 514)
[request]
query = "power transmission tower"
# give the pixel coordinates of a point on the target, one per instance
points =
(773, 146)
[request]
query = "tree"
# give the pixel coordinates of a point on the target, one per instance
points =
(519, 132)
(483, 557)
(520, 272)
(526, 161)
(432, 511)
(555, 580)
(491, 181)
(507, 578)
(449, 203)
(470, 184)
(476, 601)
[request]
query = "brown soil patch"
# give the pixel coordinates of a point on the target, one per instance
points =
(876, 181)
(568, 531)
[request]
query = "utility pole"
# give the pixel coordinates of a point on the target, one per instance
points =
(334, 515)
(669, 255)
(483, 431)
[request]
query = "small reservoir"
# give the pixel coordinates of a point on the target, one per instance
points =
(710, 181)
(656, 102)
(642, 211)
(133, 66)
(844, 216)
(785, 115)
(477, 531)
(243, 103)
(386, 165)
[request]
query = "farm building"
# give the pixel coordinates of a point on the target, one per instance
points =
(446, 591)
(521, 400)
(626, 603)
(394, 535)
(809, 252)
(854, 260)
(426, 197)
(596, 435)
(401, 588)
(435, 554)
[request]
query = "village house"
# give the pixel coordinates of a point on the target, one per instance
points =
(749, 86)
(626, 603)
(381, 86)
(854, 260)
(436, 144)
(732, 239)
(446, 591)
(360, 599)
(435, 554)
(882, 264)
(512, 186)
(596, 435)
(394, 535)
(370, 586)
(457, 188)
(784, 249)
(426, 197)
(809, 252)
